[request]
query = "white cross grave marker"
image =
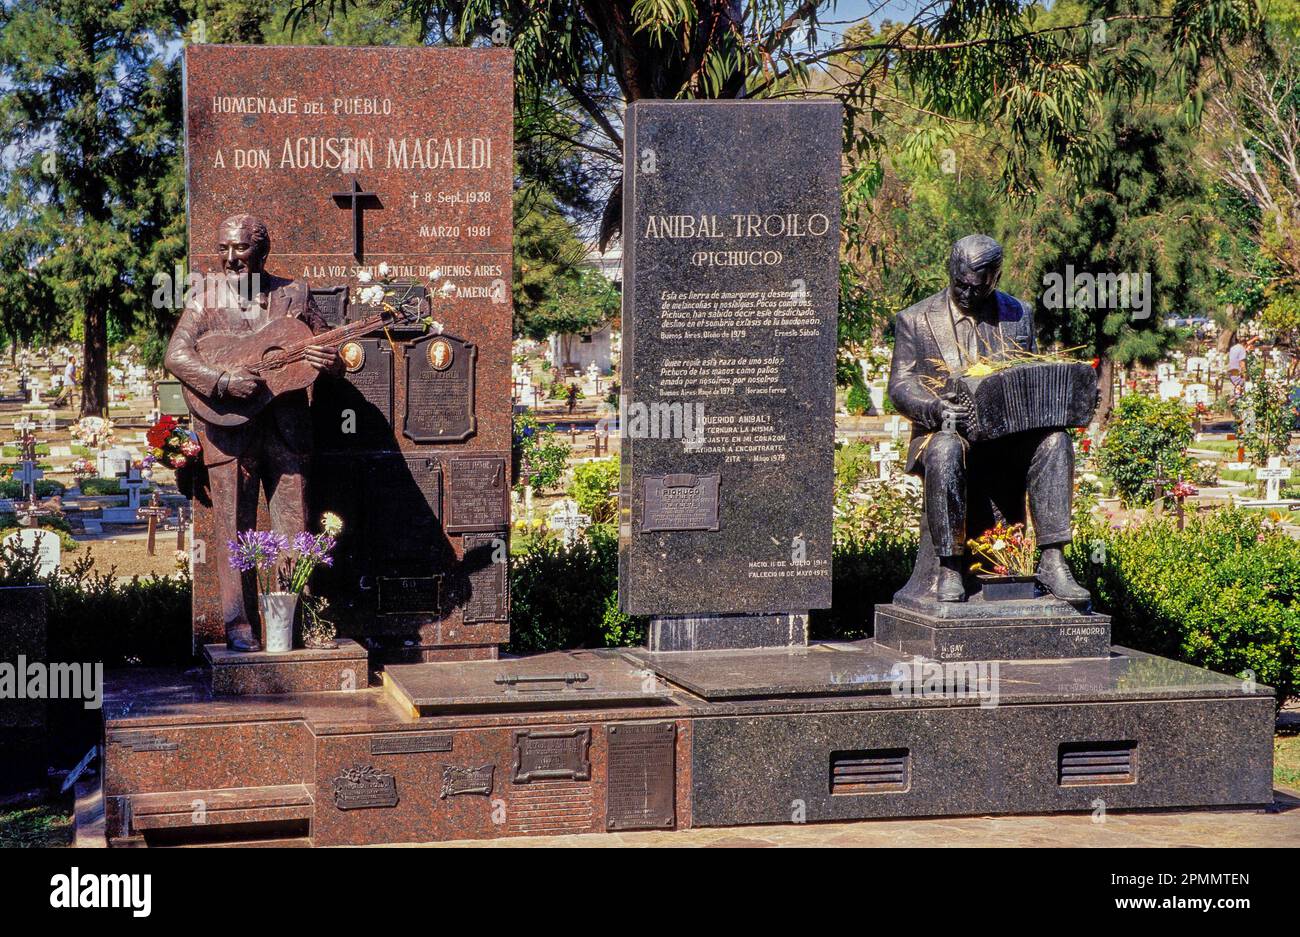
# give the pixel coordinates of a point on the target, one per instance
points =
(1272, 477)
(883, 454)
(569, 522)
(132, 484)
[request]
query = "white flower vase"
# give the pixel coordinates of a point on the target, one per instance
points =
(277, 609)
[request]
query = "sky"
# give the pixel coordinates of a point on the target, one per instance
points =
(847, 12)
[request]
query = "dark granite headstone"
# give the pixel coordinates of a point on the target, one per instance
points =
(731, 227)
(356, 157)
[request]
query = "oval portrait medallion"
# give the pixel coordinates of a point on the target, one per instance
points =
(440, 354)
(353, 355)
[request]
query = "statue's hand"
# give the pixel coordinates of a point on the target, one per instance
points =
(949, 414)
(243, 384)
(321, 357)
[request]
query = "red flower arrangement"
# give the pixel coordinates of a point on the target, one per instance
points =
(171, 444)
(1008, 550)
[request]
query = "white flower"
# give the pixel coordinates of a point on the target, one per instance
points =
(383, 268)
(331, 523)
(435, 327)
(372, 295)
(999, 544)
(363, 276)
(448, 288)
(435, 274)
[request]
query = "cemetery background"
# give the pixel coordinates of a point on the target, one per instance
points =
(875, 525)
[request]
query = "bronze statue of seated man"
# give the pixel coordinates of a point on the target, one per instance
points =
(969, 485)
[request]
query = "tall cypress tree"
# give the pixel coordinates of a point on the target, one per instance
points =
(90, 118)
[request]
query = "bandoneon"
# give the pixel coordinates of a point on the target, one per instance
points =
(1028, 397)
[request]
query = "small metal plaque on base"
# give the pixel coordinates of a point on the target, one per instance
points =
(558, 753)
(640, 794)
(459, 780)
(362, 786)
(680, 502)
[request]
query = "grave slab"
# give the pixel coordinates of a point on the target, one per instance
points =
(564, 679)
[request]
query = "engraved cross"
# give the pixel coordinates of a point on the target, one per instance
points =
(354, 199)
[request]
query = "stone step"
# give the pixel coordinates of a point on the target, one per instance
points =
(194, 810)
(293, 842)
(302, 670)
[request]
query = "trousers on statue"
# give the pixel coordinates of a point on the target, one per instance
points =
(968, 486)
(269, 466)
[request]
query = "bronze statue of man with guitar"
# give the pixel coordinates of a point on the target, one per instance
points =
(247, 348)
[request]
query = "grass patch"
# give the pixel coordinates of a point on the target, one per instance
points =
(1216, 445)
(1237, 475)
(40, 826)
(1286, 757)
(13, 452)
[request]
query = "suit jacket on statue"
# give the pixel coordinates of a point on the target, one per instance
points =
(289, 413)
(925, 346)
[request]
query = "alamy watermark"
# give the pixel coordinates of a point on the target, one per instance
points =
(1084, 290)
(661, 420)
(35, 680)
(212, 292)
(927, 679)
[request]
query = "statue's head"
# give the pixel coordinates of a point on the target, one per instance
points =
(243, 243)
(974, 266)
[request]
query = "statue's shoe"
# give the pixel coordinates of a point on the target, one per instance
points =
(1057, 579)
(240, 638)
(951, 586)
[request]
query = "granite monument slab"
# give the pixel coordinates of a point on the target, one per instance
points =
(391, 167)
(731, 291)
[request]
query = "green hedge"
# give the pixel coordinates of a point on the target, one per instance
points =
(864, 573)
(12, 489)
(94, 616)
(858, 400)
(567, 597)
(103, 486)
(1223, 594)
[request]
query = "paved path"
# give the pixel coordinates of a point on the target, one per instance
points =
(1278, 826)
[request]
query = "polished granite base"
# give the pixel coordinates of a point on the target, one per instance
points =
(727, 632)
(827, 732)
(1029, 629)
(301, 670)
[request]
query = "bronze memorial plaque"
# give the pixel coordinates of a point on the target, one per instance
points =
(440, 389)
(478, 495)
(640, 794)
(405, 743)
(362, 786)
(406, 595)
(552, 753)
(485, 578)
(680, 502)
(459, 780)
